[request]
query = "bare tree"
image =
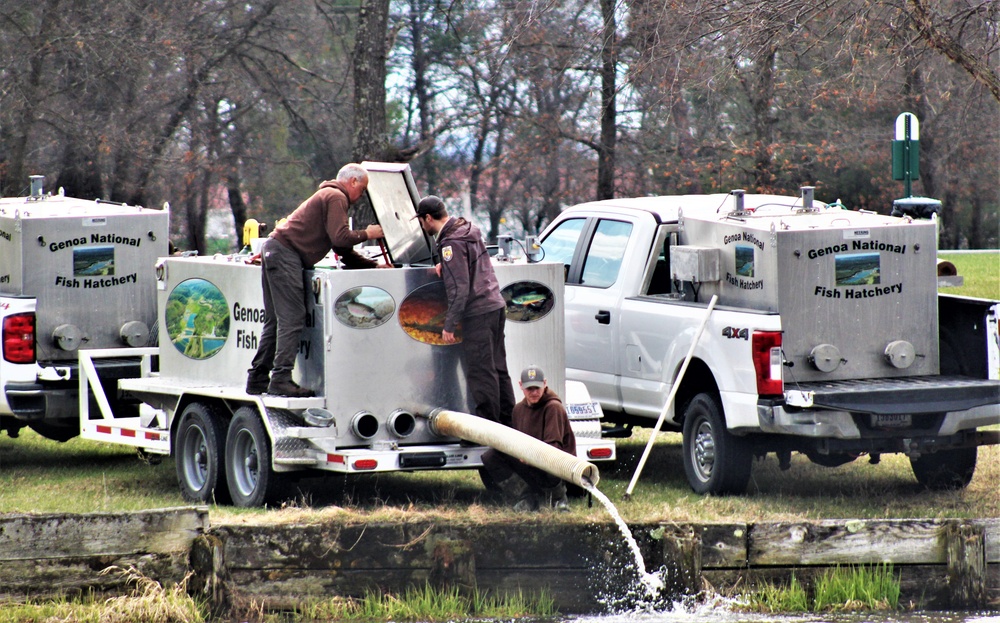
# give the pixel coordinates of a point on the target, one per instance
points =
(371, 140)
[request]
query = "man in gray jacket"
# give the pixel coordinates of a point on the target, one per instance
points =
(474, 300)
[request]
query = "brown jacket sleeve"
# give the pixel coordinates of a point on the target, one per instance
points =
(456, 275)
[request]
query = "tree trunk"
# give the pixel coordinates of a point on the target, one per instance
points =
(237, 205)
(370, 128)
(759, 89)
(422, 91)
(609, 121)
(15, 178)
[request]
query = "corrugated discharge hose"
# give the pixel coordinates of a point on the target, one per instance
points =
(515, 443)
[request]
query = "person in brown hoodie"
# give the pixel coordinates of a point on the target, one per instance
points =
(541, 414)
(318, 225)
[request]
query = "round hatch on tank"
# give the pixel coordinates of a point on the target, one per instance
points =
(900, 354)
(135, 333)
(825, 357)
(68, 337)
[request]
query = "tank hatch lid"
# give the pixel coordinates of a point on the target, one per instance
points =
(393, 196)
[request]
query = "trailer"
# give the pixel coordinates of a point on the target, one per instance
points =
(371, 351)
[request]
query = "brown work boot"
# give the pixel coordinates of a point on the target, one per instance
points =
(518, 494)
(529, 503)
(288, 388)
(257, 385)
(556, 498)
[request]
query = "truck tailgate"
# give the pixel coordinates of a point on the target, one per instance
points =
(919, 394)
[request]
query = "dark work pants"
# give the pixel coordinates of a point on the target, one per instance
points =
(502, 466)
(283, 281)
(486, 375)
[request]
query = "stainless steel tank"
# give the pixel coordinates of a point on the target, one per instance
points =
(856, 291)
(371, 348)
(88, 264)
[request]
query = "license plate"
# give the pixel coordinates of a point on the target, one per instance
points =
(894, 420)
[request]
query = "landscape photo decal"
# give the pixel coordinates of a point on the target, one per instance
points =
(93, 261)
(422, 313)
(197, 318)
(744, 260)
(858, 269)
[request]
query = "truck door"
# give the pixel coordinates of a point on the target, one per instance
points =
(593, 284)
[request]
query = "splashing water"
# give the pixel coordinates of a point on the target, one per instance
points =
(652, 583)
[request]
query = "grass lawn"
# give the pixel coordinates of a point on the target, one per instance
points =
(42, 476)
(980, 273)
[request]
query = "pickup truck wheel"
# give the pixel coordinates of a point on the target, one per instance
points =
(715, 460)
(198, 452)
(56, 432)
(946, 469)
(252, 481)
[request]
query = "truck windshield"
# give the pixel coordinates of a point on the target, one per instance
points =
(560, 244)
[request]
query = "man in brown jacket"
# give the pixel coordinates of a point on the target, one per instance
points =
(474, 299)
(541, 414)
(318, 225)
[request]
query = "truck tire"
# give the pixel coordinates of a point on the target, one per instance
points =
(56, 432)
(252, 481)
(715, 461)
(198, 451)
(946, 469)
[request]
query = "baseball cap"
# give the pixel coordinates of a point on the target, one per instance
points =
(431, 204)
(532, 376)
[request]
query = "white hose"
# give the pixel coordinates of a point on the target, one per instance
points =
(532, 451)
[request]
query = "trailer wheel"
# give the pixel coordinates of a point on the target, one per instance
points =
(946, 469)
(198, 451)
(488, 481)
(715, 460)
(252, 481)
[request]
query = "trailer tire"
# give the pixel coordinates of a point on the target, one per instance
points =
(946, 469)
(198, 450)
(488, 481)
(252, 481)
(715, 461)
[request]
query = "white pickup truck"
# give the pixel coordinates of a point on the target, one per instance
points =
(823, 333)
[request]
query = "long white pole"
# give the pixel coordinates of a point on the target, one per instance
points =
(670, 396)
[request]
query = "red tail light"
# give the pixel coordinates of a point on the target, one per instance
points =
(766, 347)
(599, 453)
(365, 464)
(19, 338)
